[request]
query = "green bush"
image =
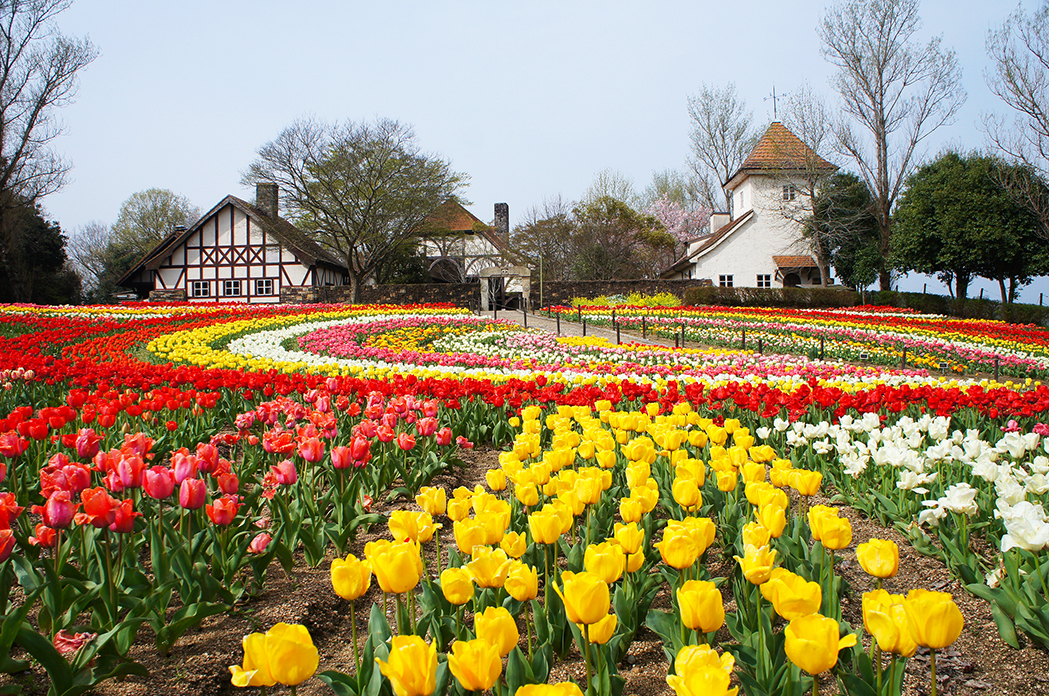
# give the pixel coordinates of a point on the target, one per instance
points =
(815, 298)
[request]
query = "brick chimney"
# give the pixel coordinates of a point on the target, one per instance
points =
(266, 198)
(502, 222)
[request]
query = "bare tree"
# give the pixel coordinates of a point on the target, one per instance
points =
(86, 249)
(722, 137)
(895, 91)
(1019, 49)
(147, 217)
(365, 188)
(609, 183)
(38, 75)
(546, 237)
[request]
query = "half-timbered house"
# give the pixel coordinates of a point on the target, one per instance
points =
(236, 252)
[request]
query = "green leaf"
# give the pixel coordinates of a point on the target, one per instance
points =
(1006, 628)
(341, 684)
(49, 658)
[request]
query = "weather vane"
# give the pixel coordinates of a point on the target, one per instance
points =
(774, 97)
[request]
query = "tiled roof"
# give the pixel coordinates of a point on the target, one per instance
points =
(781, 150)
(795, 262)
(452, 216)
(709, 242)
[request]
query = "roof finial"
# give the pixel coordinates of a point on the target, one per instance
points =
(775, 98)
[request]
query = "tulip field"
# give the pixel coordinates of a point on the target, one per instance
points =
(160, 464)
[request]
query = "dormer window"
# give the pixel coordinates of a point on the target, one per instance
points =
(789, 192)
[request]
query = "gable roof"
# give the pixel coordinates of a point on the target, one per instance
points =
(452, 216)
(794, 262)
(710, 242)
(289, 236)
(780, 150)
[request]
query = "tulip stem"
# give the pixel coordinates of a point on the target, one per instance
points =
(932, 667)
(528, 625)
(400, 610)
(353, 623)
(815, 685)
(586, 654)
(437, 537)
(877, 661)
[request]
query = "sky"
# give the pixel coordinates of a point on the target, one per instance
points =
(530, 99)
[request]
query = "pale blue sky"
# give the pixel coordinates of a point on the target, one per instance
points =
(531, 99)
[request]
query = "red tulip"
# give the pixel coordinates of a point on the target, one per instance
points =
(341, 457)
(78, 477)
(285, 472)
(159, 482)
(405, 441)
(58, 511)
(426, 426)
(9, 510)
(260, 543)
(278, 442)
(139, 444)
(366, 428)
(99, 508)
(191, 494)
(12, 445)
(361, 449)
(130, 469)
(68, 643)
(384, 433)
(224, 510)
(124, 522)
(311, 449)
(43, 536)
(464, 443)
(228, 483)
(207, 457)
(429, 409)
(87, 443)
(7, 544)
(184, 466)
(444, 436)
(389, 420)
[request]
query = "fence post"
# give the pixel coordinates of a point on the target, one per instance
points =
(903, 359)
(682, 327)
(525, 315)
(558, 315)
(760, 347)
(495, 312)
(584, 327)
(618, 341)
(579, 314)
(996, 368)
(821, 347)
(613, 315)
(644, 327)
(744, 347)
(676, 344)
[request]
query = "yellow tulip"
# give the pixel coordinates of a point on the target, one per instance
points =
(629, 536)
(397, 565)
(469, 533)
(630, 510)
(527, 494)
(693, 657)
(457, 585)
(432, 500)
(494, 526)
(602, 631)
(773, 518)
(475, 663)
(885, 618)
(805, 482)
(759, 453)
(648, 495)
(634, 561)
(686, 493)
(459, 509)
(522, 582)
(605, 560)
(702, 681)
(351, 577)
(559, 689)
(752, 472)
(701, 529)
(585, 596)
(815, 514)
(606, 459)
(757, 563)
(545, 526)
(678, 548)
(935, 620)
(701, 606)
(880, 558)
(791, 595)
(812, 643)
(514, 544)
(285, 654)
(489, 566)
(408, 525)
(754, 534)
(412, 669)
(496, 479)
(835, 532)
(498, 627)
(727, 480)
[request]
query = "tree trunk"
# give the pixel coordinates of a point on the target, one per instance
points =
(1005, 294)
(961, 287)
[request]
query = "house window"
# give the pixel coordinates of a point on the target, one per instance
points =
(231, 288)
(789, 192)
(264, 286)
(764, 280)
(201, 288)
(725, 281)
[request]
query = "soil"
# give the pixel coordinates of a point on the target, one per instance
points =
(979, 663)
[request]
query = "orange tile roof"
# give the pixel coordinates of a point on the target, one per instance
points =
(779, 149)
(452, 216)
(795, 262)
